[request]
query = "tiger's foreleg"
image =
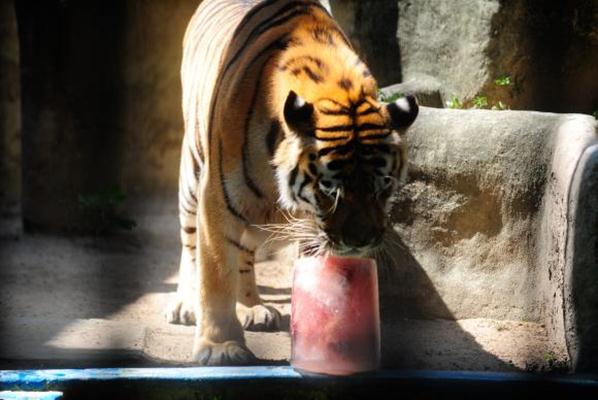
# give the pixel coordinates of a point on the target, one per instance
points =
(219, 338)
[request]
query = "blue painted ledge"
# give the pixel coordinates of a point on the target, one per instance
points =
(255, 382)
(30, 395)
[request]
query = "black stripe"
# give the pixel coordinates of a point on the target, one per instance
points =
(188, 196)
(345, 84)
(326, 111)
(244, 271)
(312, 75)
(279, 44)
(359, 103)
(239, 245)
(185, 204)
(323, 35)
(199, 149)
(336, 128)
(273, 136)
(331, 139)
(245, 147)
(185, 210)
(266, 25)
(189, 229)
(340, 105)
(251, 13)
(317, 61)
(225, 194)
(371, 110)
(302, 197)
(305, 182)
(369, 127)
(293, 176)
(375, 136)
(313, 169)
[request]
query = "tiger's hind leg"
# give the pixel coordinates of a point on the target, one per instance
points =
(182, 308)
(253, 314)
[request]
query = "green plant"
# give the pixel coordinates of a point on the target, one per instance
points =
(480, 102)
(503, 80)
(389, 98)
(500, 106)
(549, 356)
(454, 102)
(101, 212)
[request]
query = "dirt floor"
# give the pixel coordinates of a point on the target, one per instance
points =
(70, 302)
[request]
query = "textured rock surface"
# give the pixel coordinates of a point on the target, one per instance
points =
(446, 40)
(10, 109)
(548, 49)
(371, 27)
(483, 225)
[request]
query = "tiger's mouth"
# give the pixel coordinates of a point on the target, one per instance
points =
(327, 243)
(315, 240)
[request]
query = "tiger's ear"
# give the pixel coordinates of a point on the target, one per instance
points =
(402, 112)
(299, 115)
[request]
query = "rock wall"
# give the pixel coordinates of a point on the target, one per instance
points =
(549, 50)
(446, 40)
(371, 27)
(10, 110)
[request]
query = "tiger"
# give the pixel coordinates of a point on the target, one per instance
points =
(282, 125)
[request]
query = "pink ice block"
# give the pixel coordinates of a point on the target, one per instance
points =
(335, 320)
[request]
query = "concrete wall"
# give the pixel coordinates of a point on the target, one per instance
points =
(101, 102)
(498, 220)
(10, 109)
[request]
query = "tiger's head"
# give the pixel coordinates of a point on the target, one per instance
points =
(342, 155)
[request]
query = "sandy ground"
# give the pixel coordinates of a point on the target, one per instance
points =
(98, 302)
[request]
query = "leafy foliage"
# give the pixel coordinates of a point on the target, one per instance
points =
(101, 212)
(503, 80)
(389, 98)
(454, 102)
(480, 102)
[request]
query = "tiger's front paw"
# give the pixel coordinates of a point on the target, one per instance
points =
(259, 318)
(206, 352)
(180, 311)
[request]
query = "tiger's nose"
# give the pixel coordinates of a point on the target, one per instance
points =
(359, 236)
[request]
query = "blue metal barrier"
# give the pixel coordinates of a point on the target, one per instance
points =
(259, 382)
